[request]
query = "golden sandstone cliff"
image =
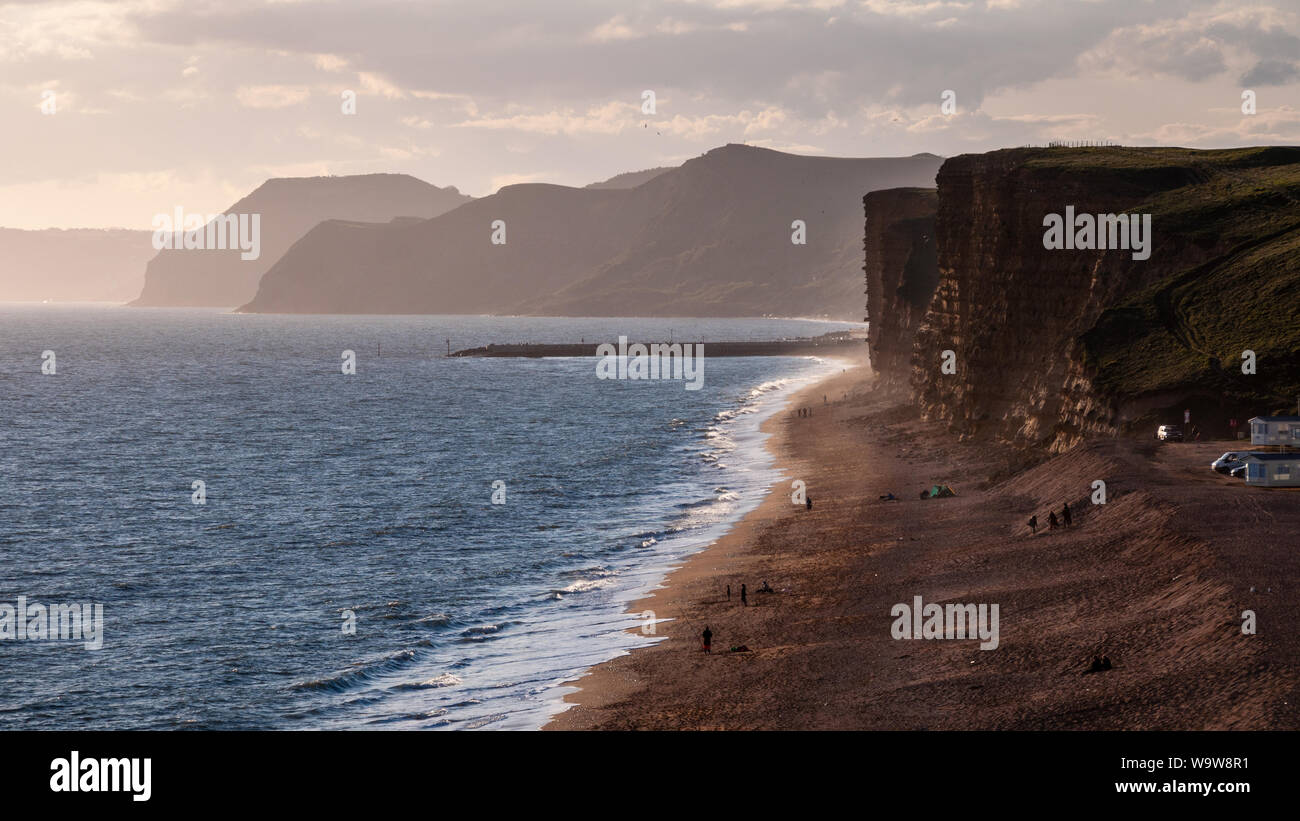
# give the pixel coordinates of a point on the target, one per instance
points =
(1048, 345)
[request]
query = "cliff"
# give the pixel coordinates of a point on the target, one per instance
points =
(901, 271)
(709, 238)
(289, 208)
(1053, 345)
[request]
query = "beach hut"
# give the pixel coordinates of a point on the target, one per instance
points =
(1275, 430)
(1272, 469)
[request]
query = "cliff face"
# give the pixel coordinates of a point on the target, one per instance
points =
(289, 208)
(1052, 345)
(901, 270)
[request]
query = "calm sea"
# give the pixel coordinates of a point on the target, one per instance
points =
(366, 497)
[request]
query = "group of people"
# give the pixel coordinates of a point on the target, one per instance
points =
(805, 411)
(1052, 522)
(707, 636)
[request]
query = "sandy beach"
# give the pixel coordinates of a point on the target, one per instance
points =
(1156, 579)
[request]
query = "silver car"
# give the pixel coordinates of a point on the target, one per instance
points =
(1227, 461)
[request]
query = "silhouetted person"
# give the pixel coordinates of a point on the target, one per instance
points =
(766, 588)
(1065, 514)
(728, 592)
(1099, 664)
(744, 596)
(1033, 523)
(707, 636)
(808, 502)
(1051, 520)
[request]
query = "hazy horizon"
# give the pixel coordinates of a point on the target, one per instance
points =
(158, 104)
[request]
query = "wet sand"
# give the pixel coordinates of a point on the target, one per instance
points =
(1156, 579)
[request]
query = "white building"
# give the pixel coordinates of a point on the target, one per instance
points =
(1272, 469)
(1275, 430)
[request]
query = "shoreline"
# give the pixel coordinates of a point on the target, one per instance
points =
(605, 683)
(1156, 579)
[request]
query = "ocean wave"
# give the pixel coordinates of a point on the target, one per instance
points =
(586, 585)
(769, 386)
(444, 680)
(359, 673)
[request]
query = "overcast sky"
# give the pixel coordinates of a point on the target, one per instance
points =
(160, 104)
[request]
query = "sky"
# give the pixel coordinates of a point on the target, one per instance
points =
(114, 112)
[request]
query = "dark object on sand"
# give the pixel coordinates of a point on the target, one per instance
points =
(728, 592)
(1099, 664)
(707, 638)
(741, 649)
(1033, 523)
(889, 497)
(744, 596)
(766, 588)
(808, 502)
(938, 492)
(1051, 520)
(1065, 514)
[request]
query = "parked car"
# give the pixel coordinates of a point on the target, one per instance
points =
(1239, 472)
(1169, 433)
(1227, 461)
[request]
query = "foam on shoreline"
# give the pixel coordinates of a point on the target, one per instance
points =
(750, 446)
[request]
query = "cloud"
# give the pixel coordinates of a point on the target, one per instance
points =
(610, 118)
(329, 62)
(374, 83)
(1271, 73)
(562, 82)
(270, 97)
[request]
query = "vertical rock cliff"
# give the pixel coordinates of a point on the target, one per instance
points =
(1053, 345)
(901, 269)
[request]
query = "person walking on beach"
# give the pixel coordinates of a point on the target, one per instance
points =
(728, 592)
(1033, 524)
(807, 500)
(1051, 520)
(707, 637)
(1065, 514)
(744, 596)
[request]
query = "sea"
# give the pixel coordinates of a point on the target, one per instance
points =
(426, 543)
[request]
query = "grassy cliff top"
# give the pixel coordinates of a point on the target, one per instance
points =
(1239, 211)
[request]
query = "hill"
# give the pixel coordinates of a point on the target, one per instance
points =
(289, 208)
(710, 238)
